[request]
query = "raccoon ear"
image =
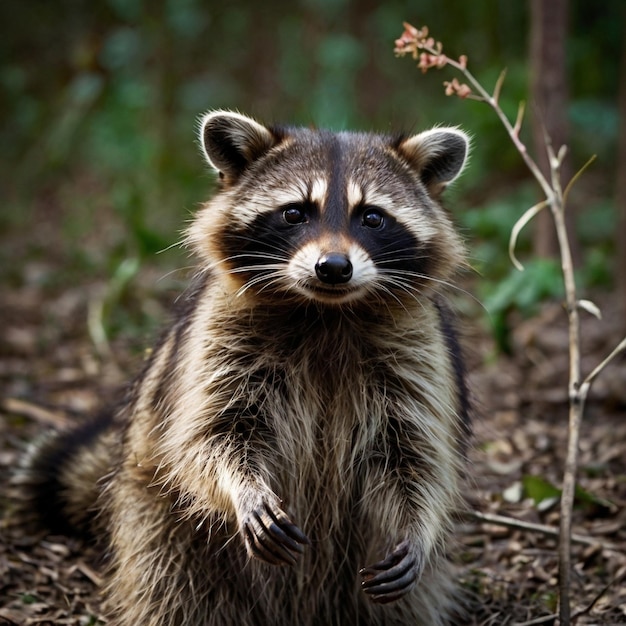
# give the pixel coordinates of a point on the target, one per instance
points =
(438, 155)
(231, 142)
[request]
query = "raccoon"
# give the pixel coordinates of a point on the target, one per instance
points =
(292, 451)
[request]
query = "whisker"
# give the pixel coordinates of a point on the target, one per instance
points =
(249, 239)
(389, 292)
(266, 280)
(399, 273)
(177, 244)
(267, 267)
(256, 255)
(176, 271)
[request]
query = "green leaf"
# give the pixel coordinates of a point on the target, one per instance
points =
(28, 598)
(586, 498)
(539, 489)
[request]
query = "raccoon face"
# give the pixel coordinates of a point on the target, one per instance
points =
(328, 217)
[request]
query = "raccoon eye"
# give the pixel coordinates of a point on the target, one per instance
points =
(294, 214)
(373, 218)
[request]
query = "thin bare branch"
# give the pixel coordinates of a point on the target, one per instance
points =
(41, 414)
(498, 88)
(593, 602)
(576, 176)
(549, 531)
(619, 348)
(545, 619)
(521, 109)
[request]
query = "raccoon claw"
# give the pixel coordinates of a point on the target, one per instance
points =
(272, 537)
(389, 579)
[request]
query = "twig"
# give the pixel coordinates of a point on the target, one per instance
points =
(36, 412)
(591, 376)
(88, 573)
(593, 602)
(520, 118)
(498, 88)
(577, 395)
(584, 611)
(576, 176)
(550, 531)
(539, 620)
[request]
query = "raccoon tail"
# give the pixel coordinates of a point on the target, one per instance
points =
(61, 476)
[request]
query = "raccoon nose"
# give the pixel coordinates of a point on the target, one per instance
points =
(334, 268)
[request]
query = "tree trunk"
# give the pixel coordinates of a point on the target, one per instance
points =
(620, 199)
(549, 103)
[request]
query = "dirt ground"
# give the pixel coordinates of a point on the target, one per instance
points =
(50, 373)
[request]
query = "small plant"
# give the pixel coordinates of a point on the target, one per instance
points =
(423, 48)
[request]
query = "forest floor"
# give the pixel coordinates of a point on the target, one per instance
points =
(51, 374)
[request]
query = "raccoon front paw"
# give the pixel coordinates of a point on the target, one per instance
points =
(389, 579)
(271, 536)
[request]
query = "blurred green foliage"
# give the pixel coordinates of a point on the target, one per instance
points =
(100, 99)
(502, 288)
(545, 495)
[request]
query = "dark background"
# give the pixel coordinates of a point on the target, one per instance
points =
(99, 103)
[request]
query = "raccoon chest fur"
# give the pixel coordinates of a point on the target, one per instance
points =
(323, 401)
